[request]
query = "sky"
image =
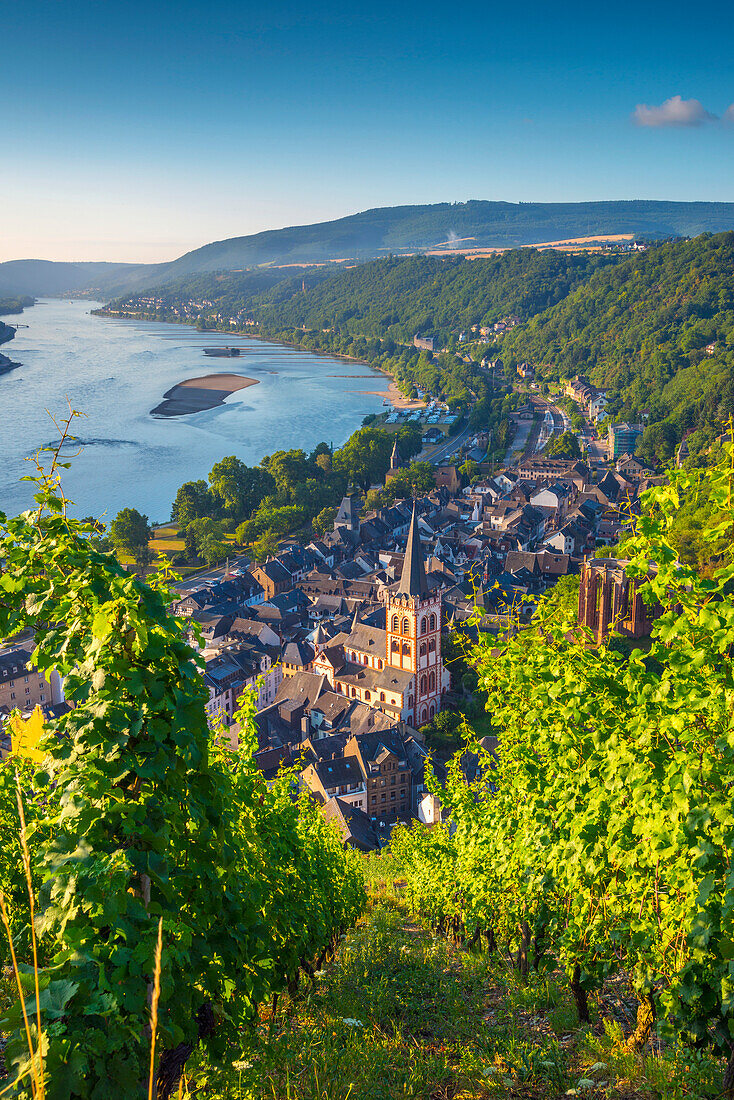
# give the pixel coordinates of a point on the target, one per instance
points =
(136, 131)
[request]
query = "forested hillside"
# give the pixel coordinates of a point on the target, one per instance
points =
(399, 297)
(394, 297)
(641, 329)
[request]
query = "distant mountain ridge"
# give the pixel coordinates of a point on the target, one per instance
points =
(376, 232)
(49, 277)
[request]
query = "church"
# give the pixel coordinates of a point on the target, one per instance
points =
(398, 670)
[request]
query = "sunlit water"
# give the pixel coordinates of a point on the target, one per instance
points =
(117, 371)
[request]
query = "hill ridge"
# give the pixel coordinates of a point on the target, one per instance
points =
(378, 230)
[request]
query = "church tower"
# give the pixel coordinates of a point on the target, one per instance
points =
(396, 463)
(413, 632)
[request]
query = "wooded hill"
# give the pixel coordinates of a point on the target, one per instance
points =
(395, 297)
(637, 325)
(641, 328)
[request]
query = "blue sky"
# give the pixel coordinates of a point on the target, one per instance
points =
(135, 131)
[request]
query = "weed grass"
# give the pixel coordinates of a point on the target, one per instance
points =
(400, 1014)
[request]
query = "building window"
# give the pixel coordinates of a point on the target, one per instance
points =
(379, 669)
(395, 646)
(367, 696)
(433, 622)
(423, 649)
(395, 623)
(384, 797)
(382, 696)
(423, 685)
(406, 649)
(424, 625)
(392, 796)
(406, 626)
(432, 681)
(432, 645)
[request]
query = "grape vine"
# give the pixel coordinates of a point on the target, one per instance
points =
(603, 831)
(139, 815)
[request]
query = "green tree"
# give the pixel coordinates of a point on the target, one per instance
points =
(239, 487)
(324, 521)
(130, 532)
(212, 550)
(288, 469)
(199, 533)
(565, 445)
(365, 457)
(193, 500)
(414, 481)
(410, 441)
(266, 546)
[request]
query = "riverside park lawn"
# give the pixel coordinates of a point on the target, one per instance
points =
(402, 1014)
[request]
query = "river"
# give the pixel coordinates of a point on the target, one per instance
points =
(116, 371)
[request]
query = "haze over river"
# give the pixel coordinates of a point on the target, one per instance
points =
(117, 371)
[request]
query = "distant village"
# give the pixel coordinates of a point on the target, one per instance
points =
(340, 639)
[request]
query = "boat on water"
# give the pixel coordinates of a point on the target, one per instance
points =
(223, 353)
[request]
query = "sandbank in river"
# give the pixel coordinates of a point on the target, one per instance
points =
(197, 394)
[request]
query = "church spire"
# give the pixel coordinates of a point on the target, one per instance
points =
(413, 580)
(395, 462)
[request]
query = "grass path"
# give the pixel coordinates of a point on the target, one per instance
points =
(400, 1014)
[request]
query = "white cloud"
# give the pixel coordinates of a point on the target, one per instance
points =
(675, 111)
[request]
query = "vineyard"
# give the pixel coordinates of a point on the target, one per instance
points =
(600, 835)
(160, 891)
(177, 926)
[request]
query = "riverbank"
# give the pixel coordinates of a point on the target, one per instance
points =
(397, 399)
(116, 371)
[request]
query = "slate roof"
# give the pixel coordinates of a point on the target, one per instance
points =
(338, 772)
(388, 679)
(413, 578)
(14, 662)
(357, 830)
(303, 688)
(298, 653)
(275, 572)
